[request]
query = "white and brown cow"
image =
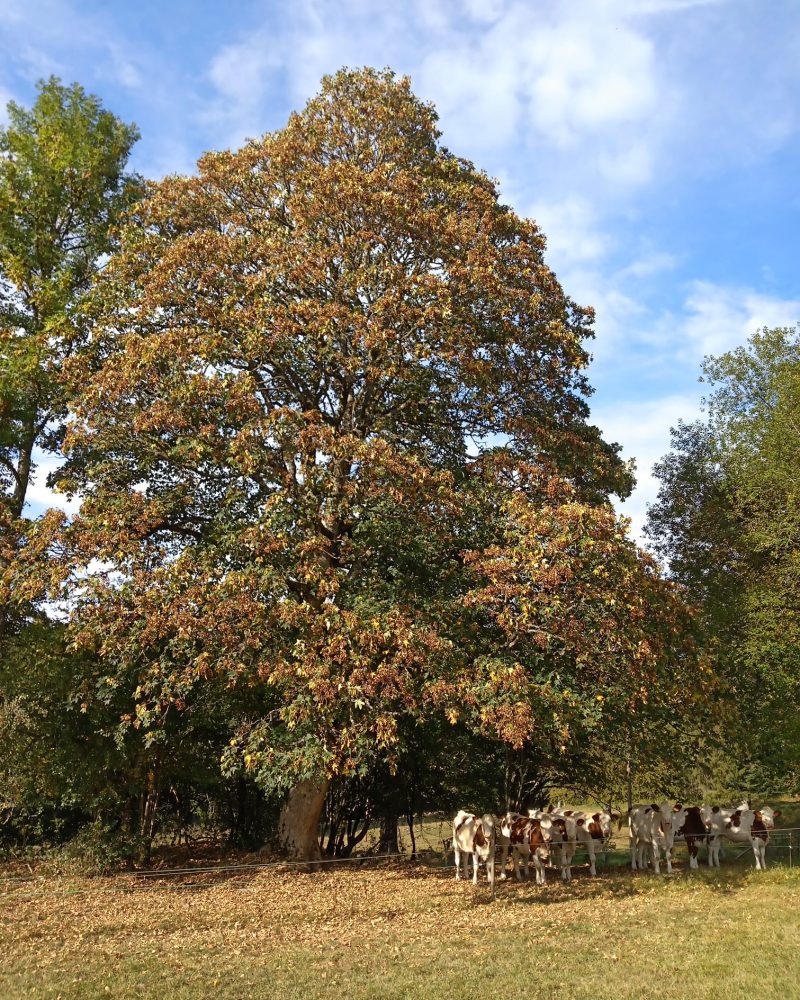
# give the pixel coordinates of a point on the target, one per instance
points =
(652, 830)
(560, 832)
(476, 836)
(717, 820)
(529, 839)
(695, 832)
(589, 829)
(752, 825)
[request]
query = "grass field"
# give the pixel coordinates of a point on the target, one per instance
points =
(403, 931)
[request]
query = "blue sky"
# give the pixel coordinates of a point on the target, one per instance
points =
(657, 143)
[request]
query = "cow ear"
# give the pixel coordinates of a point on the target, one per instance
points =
(777, 813)
(580, 822)
(614, 817)
(715, 809)
(677, 807)
(551, 808)
(596, 817)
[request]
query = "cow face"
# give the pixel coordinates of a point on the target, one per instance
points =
(768, 816)
(482, 844)
(673, 817)
(601, 825)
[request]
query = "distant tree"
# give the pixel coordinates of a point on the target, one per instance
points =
(63, 189)
(727, 519)
(332, 387)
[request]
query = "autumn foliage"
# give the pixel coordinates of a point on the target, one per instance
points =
(332, 440)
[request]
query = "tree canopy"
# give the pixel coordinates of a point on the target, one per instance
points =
(331, 437)
(728, 521)
(63, 188)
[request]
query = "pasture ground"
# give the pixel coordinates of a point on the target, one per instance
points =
(396, 930)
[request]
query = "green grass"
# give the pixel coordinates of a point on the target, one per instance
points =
(402, 931)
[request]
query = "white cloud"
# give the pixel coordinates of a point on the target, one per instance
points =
(483, 11)
(586, 75)
(5, 97)
(650, 264)
(720, 317)
(240, 71)
(39, 496)
(573, 231)
(643, 7)
(643, 429)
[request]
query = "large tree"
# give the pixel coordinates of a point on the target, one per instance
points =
(728, 520)
(331, 377)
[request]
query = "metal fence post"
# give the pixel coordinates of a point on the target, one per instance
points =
(790, 848)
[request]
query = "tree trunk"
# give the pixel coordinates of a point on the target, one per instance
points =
(23, 473)
(389, 842)
(298, 828)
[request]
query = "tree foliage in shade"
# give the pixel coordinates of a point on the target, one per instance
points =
(728, 520)
(63, 188)
(333, 447)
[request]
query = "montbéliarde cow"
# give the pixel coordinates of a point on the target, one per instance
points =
(529, 840)
(474, 835)
(652, 830)
(752, 826)
(589, 829)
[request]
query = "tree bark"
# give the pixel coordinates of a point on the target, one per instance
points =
(298, 827)
(389, 842)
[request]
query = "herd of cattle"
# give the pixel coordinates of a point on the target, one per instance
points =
(652, 830)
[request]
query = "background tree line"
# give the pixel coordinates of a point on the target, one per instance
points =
(345, 551)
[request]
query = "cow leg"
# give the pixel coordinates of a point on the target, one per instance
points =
(475, 864)
(592, 865)
(537, 863)
(517, 864)
(458, 863)
(503, 862)
(566, 874)
(668, 858)
(490, 870)
(634, 853)
(655, 854)
(572, 847)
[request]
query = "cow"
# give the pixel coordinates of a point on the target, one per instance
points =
(717, 820)
(694, 832)
(528, 838)
(652, 830)
(589, 829)
(559, 830)
(752, 825)
(476, 836)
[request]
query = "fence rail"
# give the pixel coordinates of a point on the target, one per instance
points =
(784, 841)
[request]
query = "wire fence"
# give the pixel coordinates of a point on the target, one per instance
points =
(782, 850)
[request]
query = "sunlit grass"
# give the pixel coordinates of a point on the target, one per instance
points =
(403, 931)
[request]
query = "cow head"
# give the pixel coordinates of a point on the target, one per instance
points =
(768, 815)
(673, 817)
(483, 841)
(600, 825)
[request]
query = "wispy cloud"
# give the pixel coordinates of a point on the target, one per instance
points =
(720, 317)
(643, 427)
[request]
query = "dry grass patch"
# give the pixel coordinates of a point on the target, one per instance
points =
(400, 932)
